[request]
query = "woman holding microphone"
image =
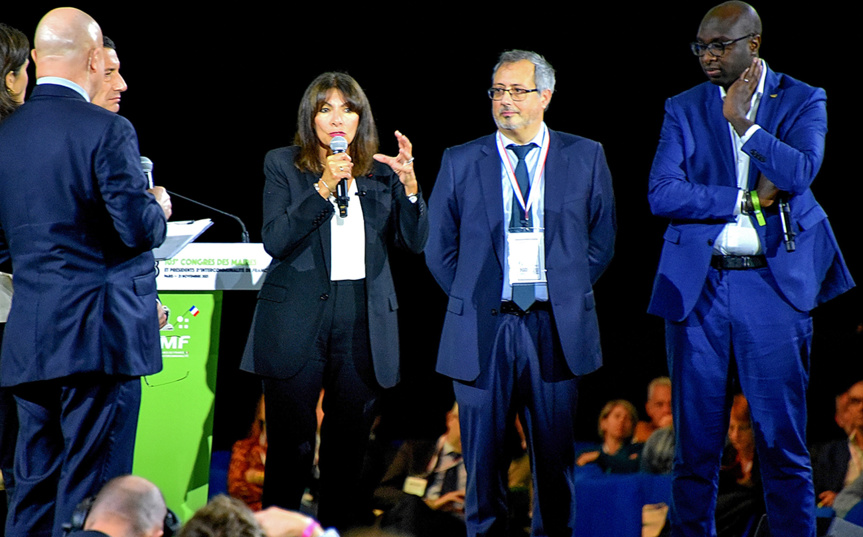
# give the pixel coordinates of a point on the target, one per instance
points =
(326, 316)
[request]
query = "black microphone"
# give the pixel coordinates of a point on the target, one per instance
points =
(339, 145)
(245, 234)
(788, 232)
(147, 166)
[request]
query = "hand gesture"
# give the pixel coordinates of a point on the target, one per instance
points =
(587, 458)
(163, 198)
(162, 314)
(450, 502)
(826, 498)
(402, 164)
(738, 98)
(278, 522)
(766, 191)
(338, 168)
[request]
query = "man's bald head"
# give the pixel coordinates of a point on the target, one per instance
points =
(734, 13)
(68, 44)
(131, 503)
(732, 30)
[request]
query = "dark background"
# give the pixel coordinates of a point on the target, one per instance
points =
(212, 90)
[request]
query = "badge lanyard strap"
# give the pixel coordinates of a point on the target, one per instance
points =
(510, 172)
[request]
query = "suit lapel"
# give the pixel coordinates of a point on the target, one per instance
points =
(766, 116)
(556, 177)
(491, 195)
(370, 190)
(720, 136)
(323, 230)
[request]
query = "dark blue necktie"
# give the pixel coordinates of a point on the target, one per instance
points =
(518, 217)
(522, 294)
(450, 478)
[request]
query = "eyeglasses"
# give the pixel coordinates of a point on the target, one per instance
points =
(716, 48)
(516, 94)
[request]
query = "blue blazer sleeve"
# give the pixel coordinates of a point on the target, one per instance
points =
(443, 242)
(135, 213)
(792, 157)
(675, 191)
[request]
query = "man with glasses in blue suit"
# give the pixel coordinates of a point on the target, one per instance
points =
(747, 254)
(521, 227)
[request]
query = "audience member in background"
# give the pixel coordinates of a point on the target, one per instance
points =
(127, 506)
(223, 517)
(837, 464)
(422, 492)
(658, 407)
(248, 459)
(740, 501)
(848, 497)
(229, 517)
(844, 416)
(14, 59)
(657, 456)
(617, 454)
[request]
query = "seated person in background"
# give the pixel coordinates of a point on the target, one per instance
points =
(229, 517)
(837, 464)
(248, 457)
(617, 454)
(848, 497)
(740, 501)
(422, 492)
(127, 506)
(658, 453)
(658, 407)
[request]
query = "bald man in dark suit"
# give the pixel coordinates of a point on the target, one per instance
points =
(79, 225)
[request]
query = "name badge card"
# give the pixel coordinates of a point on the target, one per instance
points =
(526, 256)
(415, 485)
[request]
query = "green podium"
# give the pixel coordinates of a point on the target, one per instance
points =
(175, 426)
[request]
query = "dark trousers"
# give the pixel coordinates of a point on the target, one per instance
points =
(741, 326)
(76, 433)
(340, 364)
(526, 373)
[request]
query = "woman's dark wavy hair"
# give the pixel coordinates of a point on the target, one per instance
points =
(365, 142)
(14, 50)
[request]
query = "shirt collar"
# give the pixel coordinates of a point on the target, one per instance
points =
(56, 80)
(538, 139)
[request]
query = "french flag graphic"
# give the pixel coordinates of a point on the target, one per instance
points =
(194, 311)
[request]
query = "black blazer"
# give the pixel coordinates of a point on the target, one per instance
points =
(296, 233)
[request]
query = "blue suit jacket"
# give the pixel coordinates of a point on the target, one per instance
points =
(693, 182)
(466, 248)
(79, 226)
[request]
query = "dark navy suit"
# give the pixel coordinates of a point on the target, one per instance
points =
(79, 226)
(493, 379)
(755, 322)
